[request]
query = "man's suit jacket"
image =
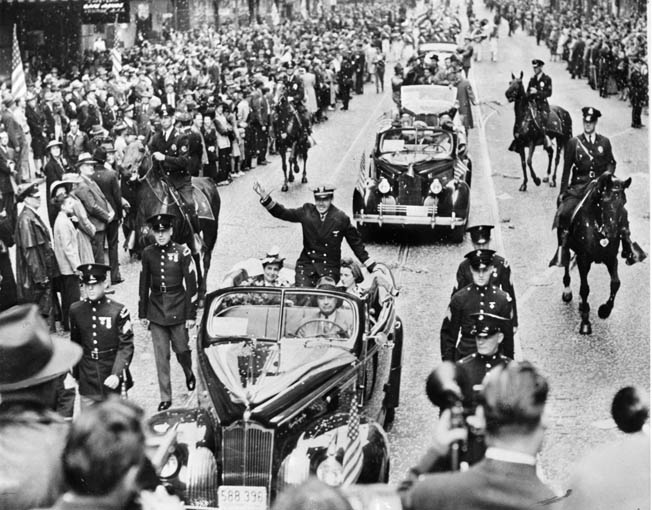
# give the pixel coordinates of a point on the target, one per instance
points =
(14, 130)
(95, 203)
(488, 485)
(6, 155)
(108, 181)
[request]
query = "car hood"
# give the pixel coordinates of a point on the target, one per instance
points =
(265, 374)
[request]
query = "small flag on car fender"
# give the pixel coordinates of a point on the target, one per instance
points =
(353, 456)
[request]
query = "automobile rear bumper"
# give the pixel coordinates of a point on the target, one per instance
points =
(409, 215)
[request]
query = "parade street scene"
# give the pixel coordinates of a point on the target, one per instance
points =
(324, 255)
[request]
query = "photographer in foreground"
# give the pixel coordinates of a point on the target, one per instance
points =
(513, 402)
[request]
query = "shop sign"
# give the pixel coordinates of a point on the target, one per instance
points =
(105, 11)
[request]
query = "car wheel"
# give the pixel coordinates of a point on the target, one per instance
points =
(457, 234)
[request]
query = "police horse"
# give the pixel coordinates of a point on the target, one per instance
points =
(594, 236)
(526, 134)
(148, 193)
(291, 134)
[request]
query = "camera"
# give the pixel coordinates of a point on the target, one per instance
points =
(447, 387)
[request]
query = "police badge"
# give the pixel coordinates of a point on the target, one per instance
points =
(600, 149)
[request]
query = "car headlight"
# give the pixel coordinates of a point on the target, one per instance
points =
(294, 470)
(171, 467)
(331, 472)
(435, 187)
(384, 186)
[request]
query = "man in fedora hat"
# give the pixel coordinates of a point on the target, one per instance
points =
(32, 436)
(98, 208)
(108, 181)
(103, 329)
(75, 142)
(324, 228)
(36, 265)
(477, 297)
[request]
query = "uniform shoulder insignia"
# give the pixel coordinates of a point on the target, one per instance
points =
(124, 312)
(186, 251)
(508, 297)
(505, 263)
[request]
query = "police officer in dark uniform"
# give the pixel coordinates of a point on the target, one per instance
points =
(539, 89)
(168, 302)
(345, 80)
(176, 165)
(501, 276)
(102, 328)
(324, 227)
(586, 157)
(477, 297)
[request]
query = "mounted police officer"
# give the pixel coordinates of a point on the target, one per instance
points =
(103, 329)
(539, 89)
(168, 302)
(501, 275)
(324, 228)
(477, 297)
(170, 149)
(586, 158)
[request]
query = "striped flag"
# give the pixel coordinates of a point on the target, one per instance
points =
(352, 462)
(18, 85)
(116, 60)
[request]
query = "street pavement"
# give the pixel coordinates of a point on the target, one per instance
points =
(584, 371)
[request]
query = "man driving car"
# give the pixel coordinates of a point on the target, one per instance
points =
(330, 320)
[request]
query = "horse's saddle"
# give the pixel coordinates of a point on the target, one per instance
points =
(202, 204)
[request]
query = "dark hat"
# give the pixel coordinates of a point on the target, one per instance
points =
(92, 273)
(162, 221)
(487, 324)
(27, 190)
(28, 355)
(96, 130)
(120, 126)
(324, 191)
(53, 143)
(99, 155)
(537, 63)
(590, 114)
(480, 259)
(166, 110)
(273, 256)
(326, 283)
(480, 234)
(59, 185)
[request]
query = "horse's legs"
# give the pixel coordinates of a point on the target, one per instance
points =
(293, 158)
(605, 309)
(560, 146)
(551, 152)
(521, 153)
(304, 179)
(201, 280)
(281, 151)
(567, 295)
(584, 265)
(535, 179)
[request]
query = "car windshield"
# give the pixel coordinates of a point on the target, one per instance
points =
(427, 141)
(264, 340)
(424, 99)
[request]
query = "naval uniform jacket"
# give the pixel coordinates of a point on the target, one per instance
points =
(501, 277)
(103, 330)
(168, 285)
(322, 240)
(459, 322)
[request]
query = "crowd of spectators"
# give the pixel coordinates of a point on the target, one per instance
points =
(606, 50)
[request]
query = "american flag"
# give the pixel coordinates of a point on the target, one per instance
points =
(116, 59)
(18, 85)
(352, 462)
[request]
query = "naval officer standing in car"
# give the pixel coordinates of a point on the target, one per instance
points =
(324, 227)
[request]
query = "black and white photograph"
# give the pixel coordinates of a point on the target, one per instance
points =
(324, 255)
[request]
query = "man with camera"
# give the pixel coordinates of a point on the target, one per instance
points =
(513, 402)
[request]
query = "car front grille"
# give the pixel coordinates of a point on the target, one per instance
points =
(409, 190)
(247, 451)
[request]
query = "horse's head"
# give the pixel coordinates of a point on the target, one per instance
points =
(611, 202)
(137, 161)
(515, 88)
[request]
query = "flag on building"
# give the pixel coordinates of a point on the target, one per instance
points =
(352, 461)
(18, 85)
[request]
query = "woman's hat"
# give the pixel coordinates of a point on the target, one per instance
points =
(28, 355)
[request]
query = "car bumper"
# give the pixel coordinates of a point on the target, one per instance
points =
(409, 215)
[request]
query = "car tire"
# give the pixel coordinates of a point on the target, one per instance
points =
(457, 234)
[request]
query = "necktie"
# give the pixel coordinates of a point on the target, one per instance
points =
(204, 154)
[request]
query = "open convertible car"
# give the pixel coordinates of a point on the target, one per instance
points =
(292, 382)
(418, 174)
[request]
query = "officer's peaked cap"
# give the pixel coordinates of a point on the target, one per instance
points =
(487, 324)
(480, 259)
(538, 63)
(93, 273)
(480, 234)
(324, 191)
(590, 114)
(162, 221)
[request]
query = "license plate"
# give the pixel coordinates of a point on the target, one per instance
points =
(416, 210)
(238, 497)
